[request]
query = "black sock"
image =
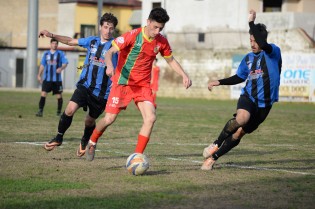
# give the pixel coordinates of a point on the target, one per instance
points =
(228, 144)
(88, 132)
(230, 128)
(64, 123)
(41, 104)
(60, 101)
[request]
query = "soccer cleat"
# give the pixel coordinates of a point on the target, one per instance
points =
(210, 150)
(52, 144)
(208, 164)
(90, 151)
(39, 113)
(82, 146)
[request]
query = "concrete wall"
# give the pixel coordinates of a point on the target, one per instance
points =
(66, 21)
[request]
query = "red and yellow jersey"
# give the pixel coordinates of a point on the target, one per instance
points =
(136, 55)
(155, 78)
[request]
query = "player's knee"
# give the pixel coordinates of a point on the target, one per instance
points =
(70, 111)
(109, 119)
(150, 119)
(89, 121)
(242, 117)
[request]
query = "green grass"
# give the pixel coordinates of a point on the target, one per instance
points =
(271, 168)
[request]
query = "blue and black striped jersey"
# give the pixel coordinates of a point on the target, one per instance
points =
(262, 72)
(51, 62)
(93, 76)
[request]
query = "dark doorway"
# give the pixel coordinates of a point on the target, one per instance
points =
(272, 5)
(19, 73)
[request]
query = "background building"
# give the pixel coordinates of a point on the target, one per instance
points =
(208, 36)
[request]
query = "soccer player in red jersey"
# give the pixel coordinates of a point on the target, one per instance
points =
(131, 80)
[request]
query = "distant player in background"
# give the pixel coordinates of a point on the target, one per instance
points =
(261, 68)
(49, 75)
(131, 80)
(155, 78)
(94, 85)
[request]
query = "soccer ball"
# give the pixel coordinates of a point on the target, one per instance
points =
(137, 164)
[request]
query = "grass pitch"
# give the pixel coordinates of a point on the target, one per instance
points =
(271, 168)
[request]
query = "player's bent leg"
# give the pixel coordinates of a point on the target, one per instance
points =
(88, 130)
(147, 110)
(101, 126)
(71, 108)
(228, 144)
(230, 128)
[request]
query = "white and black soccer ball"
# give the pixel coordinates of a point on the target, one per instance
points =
(137, 164)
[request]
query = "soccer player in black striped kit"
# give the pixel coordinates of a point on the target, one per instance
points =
(52, 64)
(261, 68)
(94, 85)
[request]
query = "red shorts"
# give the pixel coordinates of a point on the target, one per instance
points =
(121, 95)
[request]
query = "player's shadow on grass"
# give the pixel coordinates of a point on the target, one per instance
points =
(155, 173)
(148, 173)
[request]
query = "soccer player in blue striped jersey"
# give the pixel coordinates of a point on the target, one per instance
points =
(49, 75)
(94, 84)
(261, 69)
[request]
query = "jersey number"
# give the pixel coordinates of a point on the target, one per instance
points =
(115, 100)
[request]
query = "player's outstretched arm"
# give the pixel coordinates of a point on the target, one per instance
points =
(212, 84)
(178, 69)
(63, 39)
(235, 79)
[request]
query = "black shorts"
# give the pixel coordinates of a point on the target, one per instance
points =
(55, 87)
(257, 115)
(84, 98)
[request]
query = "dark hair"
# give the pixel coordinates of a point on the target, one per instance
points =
(53, 40)
(109, 17)
(262, 30)
(159, 15)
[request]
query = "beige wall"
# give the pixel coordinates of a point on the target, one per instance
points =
(47, 19)
(307, 6)
(13, 28)
(123, 15)
(255, 4)
(87, 14)
(14, 20)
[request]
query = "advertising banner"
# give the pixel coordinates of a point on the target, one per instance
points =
(297, 82)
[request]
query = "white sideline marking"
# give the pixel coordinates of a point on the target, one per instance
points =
(246, 167)
(35, 143)
(32, 143)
